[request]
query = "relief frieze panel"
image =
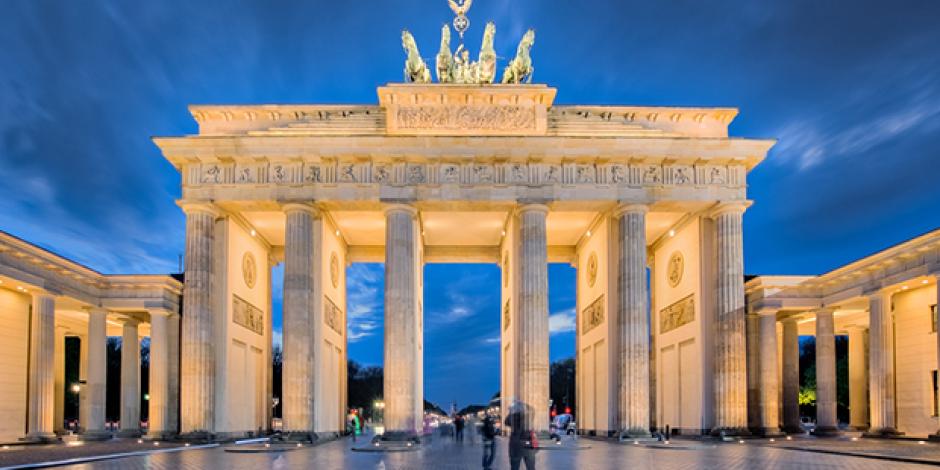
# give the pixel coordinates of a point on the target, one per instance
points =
(332, 316)
(471, 173)
(247, 315)
(467, 117)
(679, 313)
(593, 315)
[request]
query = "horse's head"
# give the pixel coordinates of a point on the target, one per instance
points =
(445, 37)
(408, 42)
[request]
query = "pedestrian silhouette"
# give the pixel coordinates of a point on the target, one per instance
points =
(522, 441)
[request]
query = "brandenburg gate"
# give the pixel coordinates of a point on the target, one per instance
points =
(646, 203)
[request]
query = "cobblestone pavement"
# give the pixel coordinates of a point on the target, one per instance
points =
(602, 455)
(16, 454)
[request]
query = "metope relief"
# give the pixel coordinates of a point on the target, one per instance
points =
(332, 316)
(247, 315)
(506, 315)
(593, 315)
(677, 314)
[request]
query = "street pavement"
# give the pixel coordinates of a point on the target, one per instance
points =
(444, 454)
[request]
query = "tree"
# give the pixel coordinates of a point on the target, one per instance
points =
(277, 359)
(562, 389)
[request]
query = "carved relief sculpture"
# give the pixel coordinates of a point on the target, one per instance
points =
(674, 269)
(247, 315)
(677, 314)
(593, 315)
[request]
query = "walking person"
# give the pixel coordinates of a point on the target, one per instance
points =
(458, 428)
(488, 430)
(522, 441)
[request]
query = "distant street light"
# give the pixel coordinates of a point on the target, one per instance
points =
(76, 388)
(146, 396)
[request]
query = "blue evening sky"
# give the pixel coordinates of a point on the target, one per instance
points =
(851, 90)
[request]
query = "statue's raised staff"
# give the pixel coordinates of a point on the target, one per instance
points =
(520, 68)
(416, 71)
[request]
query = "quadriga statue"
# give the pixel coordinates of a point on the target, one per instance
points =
(416, 70)
(445, 60)
(520, 68)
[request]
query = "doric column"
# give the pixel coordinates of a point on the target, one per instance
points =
(752, 325)
(197, 377)
(730, 353)
(858, 377)
(95, 388)
(826, 420)
(881, 364)
(767, 357)
(791, 376)
(59, 352)
(159, 389)
(41, 367)
(401, 387)
(82, 379)
(173, 404)
(299, 283)
(936, 286)
(634, 321)
(130, 380)
(532, 327)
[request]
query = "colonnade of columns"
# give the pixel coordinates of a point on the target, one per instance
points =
(47, 387)
(872, 403)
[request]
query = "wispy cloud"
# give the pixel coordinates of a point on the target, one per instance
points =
(562, 322)
(364, 299)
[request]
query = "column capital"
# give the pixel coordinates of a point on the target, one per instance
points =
(400, 207)
(94, 309)
(159, 311)
(532, 207)
(792, 319)
(724, 207)
(130, 321)
(766, 312)
(300, 206)
(625, 207)
(824, 311)
(199, 207)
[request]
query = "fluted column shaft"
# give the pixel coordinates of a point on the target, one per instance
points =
(826, 420)
(937, 329)
(130, 379)
(730, 357)
(881, 364)
(791, 376)
(95, 388)
(42, 367)
(858, 378)
(634, 322)
(159, 389)
(197, 375)
(299, 297)
(532, 328)
(59, 419)
(769, 392)
(402, 391)
(173, 404)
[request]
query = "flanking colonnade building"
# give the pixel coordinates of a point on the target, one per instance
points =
(646, 202)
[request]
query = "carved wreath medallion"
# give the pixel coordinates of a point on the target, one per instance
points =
(506, 269)
(592, 269)
(334, 270)
(674, 269)
(249, 269)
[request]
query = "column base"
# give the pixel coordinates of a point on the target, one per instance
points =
(769, 432)
(730, 432)
(794, 429)
(128, 433)
(935, 437)
(827, 431)
(40, 437)
(883, 433)
(635, 433)
(197, 436)
(299, 436)
(96, 435)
